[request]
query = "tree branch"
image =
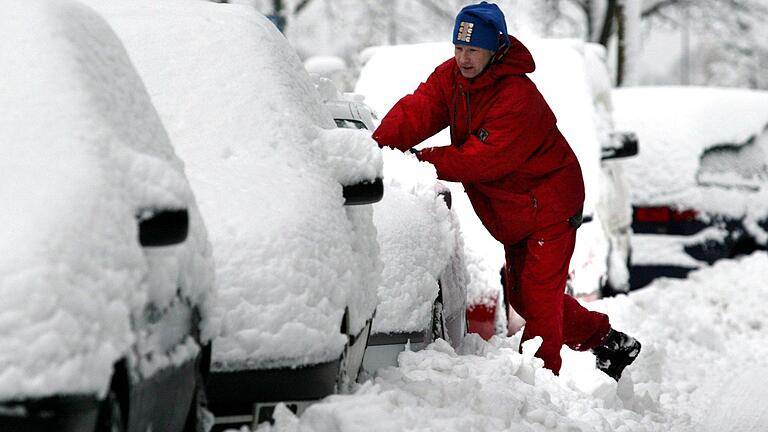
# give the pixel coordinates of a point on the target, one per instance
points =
(610, 15)
(301, 5)
(658, 7)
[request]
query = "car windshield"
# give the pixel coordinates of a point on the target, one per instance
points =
(742, 166)
(350, 124)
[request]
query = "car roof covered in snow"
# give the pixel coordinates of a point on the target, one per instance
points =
(675, 125)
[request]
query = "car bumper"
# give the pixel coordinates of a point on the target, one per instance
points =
(481, 318)
(658, 255)
(384, 348)
(642, 275)
(240, 397)
(58, 413)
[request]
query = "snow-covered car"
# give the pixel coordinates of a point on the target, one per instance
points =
(296, 269)
(573, 78)
(107, 274)
(422, 296)
(699, 188)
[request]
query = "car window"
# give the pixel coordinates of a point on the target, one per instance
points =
(350, 124)
(742, 166)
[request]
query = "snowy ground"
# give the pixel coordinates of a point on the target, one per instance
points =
(703, 368)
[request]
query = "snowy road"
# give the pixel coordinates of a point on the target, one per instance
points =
(703, 368)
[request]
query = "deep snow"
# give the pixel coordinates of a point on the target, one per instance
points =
(702, 368)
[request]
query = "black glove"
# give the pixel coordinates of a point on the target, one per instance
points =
(414, 151)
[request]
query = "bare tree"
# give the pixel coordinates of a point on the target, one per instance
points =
(603, 20)
(281, 12)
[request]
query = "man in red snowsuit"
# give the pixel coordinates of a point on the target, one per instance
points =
(520, 174)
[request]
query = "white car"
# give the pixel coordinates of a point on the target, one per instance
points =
(297, 269)
(699, 188)
(422, 296)
(573, 79)
(106, 277)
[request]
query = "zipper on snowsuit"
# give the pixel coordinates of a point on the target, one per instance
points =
(468, 117)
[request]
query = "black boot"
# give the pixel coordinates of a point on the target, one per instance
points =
(617, 351)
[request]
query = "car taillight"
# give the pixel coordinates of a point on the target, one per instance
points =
(481, 318)
(663, 215)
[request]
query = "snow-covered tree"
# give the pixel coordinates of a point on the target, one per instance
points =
(731, 26)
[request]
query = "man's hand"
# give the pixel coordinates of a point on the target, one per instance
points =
(414, 151)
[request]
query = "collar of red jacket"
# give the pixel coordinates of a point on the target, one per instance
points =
(517, 60)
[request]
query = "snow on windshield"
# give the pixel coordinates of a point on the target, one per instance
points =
(734, 165)
(266, 162)
(84, 154)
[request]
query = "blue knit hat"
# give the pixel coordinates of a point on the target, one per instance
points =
(480, 25)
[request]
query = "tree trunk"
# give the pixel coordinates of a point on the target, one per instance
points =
(628, 14)
(621, 45)
(607, 24)
(278, 15)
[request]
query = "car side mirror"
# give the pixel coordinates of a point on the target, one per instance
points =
(164, 228)
(365, 192)
(624, 144)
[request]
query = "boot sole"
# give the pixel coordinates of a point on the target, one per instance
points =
(615, 370)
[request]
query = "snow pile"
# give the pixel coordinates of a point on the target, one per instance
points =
(699, 335)
(84, 155)
(674, 126)
(703, 367)
(417, 236)
(266, 162)
(485, 386)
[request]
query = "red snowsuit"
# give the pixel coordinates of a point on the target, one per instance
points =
(522, 178)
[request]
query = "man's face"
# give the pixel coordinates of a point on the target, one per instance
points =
(471, 60)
